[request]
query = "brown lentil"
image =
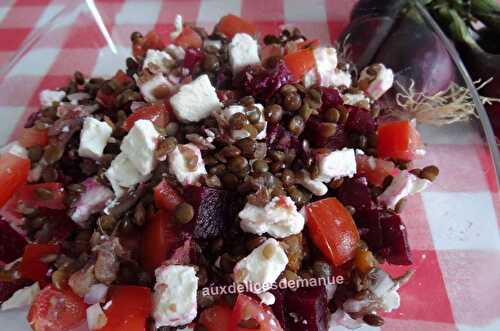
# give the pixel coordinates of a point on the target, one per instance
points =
(430, 173)
(400, 205)
(296, 125)
(306, 111)
(60, 278)
(230, 151)
(287, 89)
(139, 214)
(184, 213)
(35, 153)
(315, 94)
(247, 147)
(373, 320)
(322, 269)
(350, 209)
(53, 153)
(230, 181)
(292, 101)
(107, 223)
(171, 129)
(254, 115)
(213, 181)
(254, 242)
(211, 63)
(327, 130)
(260, 166)
(238, 121)
(237, 164)
(44, 193)
(218, 170)
(252, 130)
(273, 113)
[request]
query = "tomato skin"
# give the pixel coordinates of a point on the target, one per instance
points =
(232, 24)
(166, 197)
(375, 170)
(33, 137)
(31, 266)
(300, 62)
(56, 310)
(332, 230)
(247, 307)
(398, 140)
(130, 307)
(14, 172)
(158, 239)
(188, 38)
(151, 40)
(216, 318)
(155, 113)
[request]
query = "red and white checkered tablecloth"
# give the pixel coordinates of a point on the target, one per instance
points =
(453, 227)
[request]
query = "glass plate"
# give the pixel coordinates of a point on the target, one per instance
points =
(453, 227)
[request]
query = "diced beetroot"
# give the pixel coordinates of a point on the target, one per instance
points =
(192, 57)
(306, 309)
(396, 240)
(368, 222)
(214, 210)
(280, 138)
(8, 288)
(360, 120)
(337, 141)
(279, 308)
(355, 192)
(262, 83)
(11, 243)
(330, 97)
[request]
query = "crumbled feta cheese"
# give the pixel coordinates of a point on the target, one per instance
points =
(310, 78)
(267, 298)
(75, 98)
(14, 148)
(176, 52)
(150, 84)
(217, 44)
(262, 266)
(178, 164)
(158, 61)
(195, 101)
(175, 295)
(139, 146)
(341, 78)
(341, 318)
(178, 27)
(356, 99)
(93, 138)
(279, 218)
(337, 164)
(243, 51)
(402, 185)
(315, 186)
(48, 97)
(96, 318)
(326, 63)
(375, 80)
(123, 174)
(21, 298)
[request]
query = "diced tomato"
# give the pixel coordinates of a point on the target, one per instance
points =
(246, 308)
(216, 318)
(56, 310)
(14, 172)
(45, 195)
(292, 47)
(121, 78)
(32, 137)
(130, 307)
(166, 197)
(188, 38)
(155, 113)
(151, 40)
(398, 140)
(332, 230)
(159, 238)
(375, 170)
(31, 265)
(299, 63)
(232, 24)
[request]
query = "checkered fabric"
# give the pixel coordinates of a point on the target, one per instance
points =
(453, 227)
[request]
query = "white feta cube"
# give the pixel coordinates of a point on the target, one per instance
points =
(279, 218)
(178, 166)
(356, 99)
(123, 174)
(195, 101)
(375, 80)
(21, 298)
(158, 61)
(48, 97)
(326, 64)
(94, 138)
(337, 164)
(139, 146)
(176, 52)
(14, 148)
(243, 51)
(178, 27)
(262, 267)
(402, 185)
(341, 78)
(96, 318)
(175, 295)
(315, 186)
(149, 85)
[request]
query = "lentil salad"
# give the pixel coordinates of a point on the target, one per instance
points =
(177, 170)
